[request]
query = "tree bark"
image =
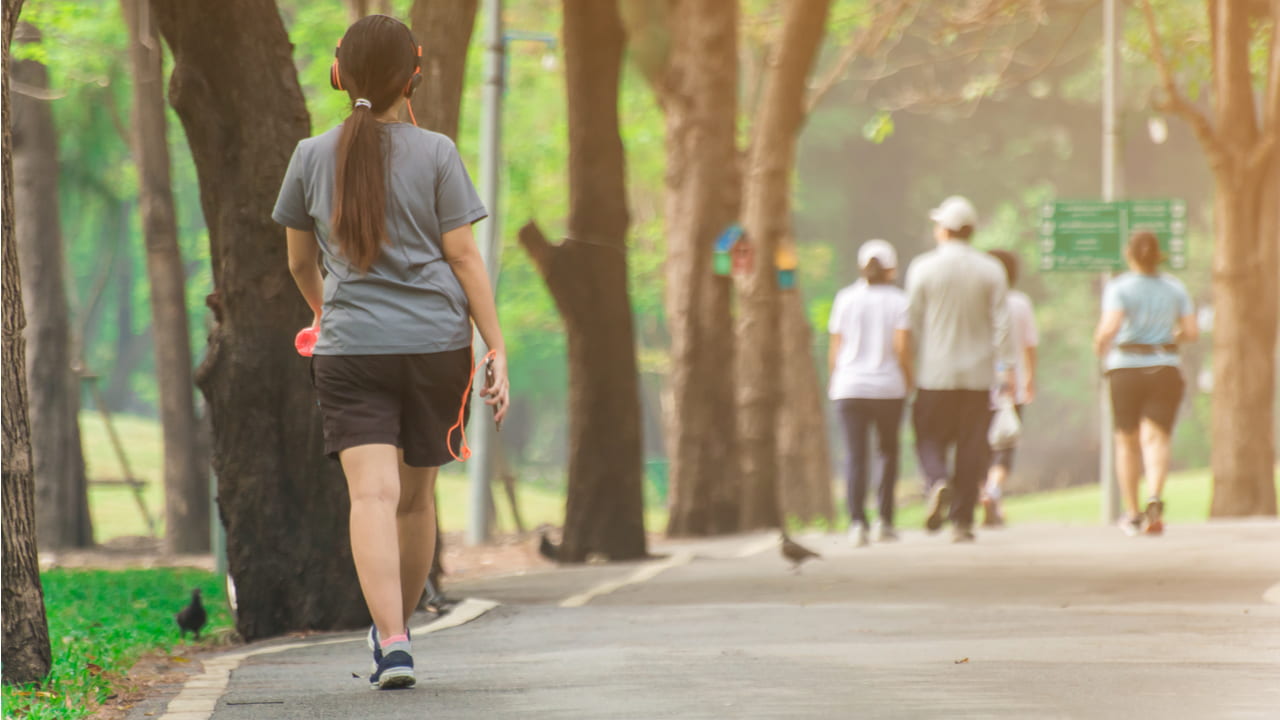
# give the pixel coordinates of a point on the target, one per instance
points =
(357, 9)
(285, 507)
(804, 455)
(23, 628)
(186, 480)
(587, 277)
(444, 28)
(691, 57)
(767, 216)
(62, 498)
(1245, 267)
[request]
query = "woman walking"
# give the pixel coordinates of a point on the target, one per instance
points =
(871, 373)
(1145, 314)
(389, 208)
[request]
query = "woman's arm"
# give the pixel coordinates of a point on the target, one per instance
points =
(832, 353)
(1108, 328)
(902, 349)
(304, 266)
(464, 259)
(1188, 329)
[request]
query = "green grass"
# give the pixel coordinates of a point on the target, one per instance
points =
(115, 511)
(100, 623)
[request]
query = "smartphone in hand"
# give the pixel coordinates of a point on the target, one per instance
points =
(490, 381)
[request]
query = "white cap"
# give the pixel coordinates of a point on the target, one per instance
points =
(880, 250)
(954, 213)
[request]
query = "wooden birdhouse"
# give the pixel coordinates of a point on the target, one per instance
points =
(787, 263)
(726, 244)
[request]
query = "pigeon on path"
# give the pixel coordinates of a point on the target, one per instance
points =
(192, 617)
(548, 549)
(796, 553)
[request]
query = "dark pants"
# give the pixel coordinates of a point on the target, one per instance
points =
(859, 416)
(943, 418)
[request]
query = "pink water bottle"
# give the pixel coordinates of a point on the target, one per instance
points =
(305, 342)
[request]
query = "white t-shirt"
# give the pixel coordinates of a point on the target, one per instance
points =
(1022, 327)
(865, 317)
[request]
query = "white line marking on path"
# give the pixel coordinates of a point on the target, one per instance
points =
(200, 694)
(645, 572)
(757, 547)
(1272, 595)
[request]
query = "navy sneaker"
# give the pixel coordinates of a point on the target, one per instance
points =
(395, 668)
(376, 647)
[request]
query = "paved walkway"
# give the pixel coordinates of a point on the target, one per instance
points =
(1027, 623)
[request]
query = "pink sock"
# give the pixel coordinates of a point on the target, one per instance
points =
(402, 637)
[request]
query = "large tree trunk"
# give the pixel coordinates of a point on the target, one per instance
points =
(186, 481)
(587, 277)
(689, 50)
(284, 505)
(24, 631)
(767, 216)
(803, 452)
(444, 28)
(62, 498)
(1244, 268)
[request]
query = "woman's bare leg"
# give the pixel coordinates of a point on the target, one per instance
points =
(1129, 468)
(373, 480)
(416, 530)
(1155, 457)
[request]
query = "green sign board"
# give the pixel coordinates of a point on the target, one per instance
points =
(1089, 235)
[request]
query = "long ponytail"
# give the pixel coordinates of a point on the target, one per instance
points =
(360, 190)
(375, 74)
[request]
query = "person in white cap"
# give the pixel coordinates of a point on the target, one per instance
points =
(959, 319)
(871, 374)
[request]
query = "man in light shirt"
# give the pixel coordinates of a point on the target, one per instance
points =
(959, 315)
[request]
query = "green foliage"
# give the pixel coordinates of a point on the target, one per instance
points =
(101, 622)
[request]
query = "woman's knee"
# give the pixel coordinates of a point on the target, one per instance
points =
(375, 489)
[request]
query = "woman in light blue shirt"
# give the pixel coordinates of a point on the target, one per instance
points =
(1145, 315)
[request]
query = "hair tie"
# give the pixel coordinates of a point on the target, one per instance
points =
(361, 102)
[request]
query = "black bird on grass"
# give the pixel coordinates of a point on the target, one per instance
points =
(192, 617)
(548, 549)
(796, 553)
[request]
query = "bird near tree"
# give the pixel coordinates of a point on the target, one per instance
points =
(548, 549)
(193, 617)
(795, 553)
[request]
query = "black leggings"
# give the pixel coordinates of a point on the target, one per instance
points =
(859, 416)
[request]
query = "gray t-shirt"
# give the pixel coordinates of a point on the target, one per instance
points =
(410, 301)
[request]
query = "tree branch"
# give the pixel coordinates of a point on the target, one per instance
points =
(536, 245)
(868, 41)
(1174, 102)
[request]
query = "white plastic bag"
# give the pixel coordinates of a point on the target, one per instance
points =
(1006, 427)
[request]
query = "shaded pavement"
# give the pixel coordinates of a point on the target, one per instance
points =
(1028, 622)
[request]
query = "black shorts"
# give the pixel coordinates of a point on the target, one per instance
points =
(1153, 393)
(409, 401)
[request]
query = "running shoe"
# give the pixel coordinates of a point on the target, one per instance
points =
(883, 532)
(376, 647)
(939, 506)
(1131, 526)
(1153, 518)
(963, 534)
(394, 668)
(858, 535)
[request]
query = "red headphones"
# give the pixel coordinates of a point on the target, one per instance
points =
(335, 74)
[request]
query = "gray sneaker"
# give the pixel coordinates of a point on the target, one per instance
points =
(939, 506)
(883, 533)
(963, 534)
(858, 535)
